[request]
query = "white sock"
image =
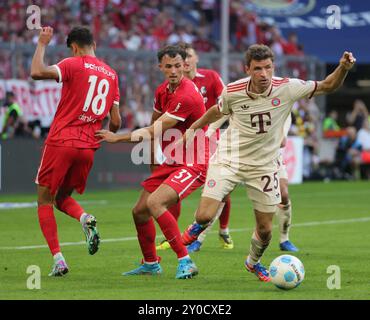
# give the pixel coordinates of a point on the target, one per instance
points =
(284, 214)
(224, 231)
(257, 248)
(186, 257)
(83, 217)
(58, 256)
(150, 262)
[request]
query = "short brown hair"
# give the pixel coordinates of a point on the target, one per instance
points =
(258, 52)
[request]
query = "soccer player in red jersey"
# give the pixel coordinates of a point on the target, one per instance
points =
(210, 86)
(178, 104)
(90, 91)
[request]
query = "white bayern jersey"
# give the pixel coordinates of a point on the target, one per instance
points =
(257, 121)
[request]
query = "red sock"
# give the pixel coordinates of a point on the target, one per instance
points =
(49, 227)
(70, 206)
(172, 233)
(225, 214)
(146, 236)
(175, 210)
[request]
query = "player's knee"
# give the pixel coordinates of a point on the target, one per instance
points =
(139, 211)
(203, 217)
(264, 231)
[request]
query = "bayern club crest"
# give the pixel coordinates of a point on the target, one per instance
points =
(211, 183)
(275, 102)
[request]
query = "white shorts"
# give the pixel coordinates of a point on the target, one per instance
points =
(262, 183)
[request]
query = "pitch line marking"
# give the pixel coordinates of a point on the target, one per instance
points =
(297, 225)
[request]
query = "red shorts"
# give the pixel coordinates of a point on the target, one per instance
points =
(184, 180)
(64, 167)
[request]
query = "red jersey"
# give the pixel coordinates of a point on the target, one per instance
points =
(210, 86)
(90, 87)
(186, 105)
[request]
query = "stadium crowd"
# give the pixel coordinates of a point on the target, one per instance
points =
(145, 26)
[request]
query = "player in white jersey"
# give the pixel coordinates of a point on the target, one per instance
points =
(249, 149)
(283, 211)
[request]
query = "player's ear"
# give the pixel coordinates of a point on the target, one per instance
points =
(160, 66)
(247, 70)
(94, 45)
(74, 48)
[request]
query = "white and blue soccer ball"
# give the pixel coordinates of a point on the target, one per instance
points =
(286, 272)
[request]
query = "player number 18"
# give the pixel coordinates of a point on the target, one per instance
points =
(102, 92)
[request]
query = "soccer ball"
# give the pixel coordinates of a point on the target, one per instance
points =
(287, 272)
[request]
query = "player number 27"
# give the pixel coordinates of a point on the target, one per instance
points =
(102, 92)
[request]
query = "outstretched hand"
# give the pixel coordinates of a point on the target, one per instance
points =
(347, 60)
(45, 36)
(106, 135)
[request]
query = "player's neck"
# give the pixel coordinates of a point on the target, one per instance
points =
(85, 52)
(191, 74)
(173, 86)
(256, 89)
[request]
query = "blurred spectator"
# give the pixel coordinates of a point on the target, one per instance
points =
(13, 123)
(358, 115)
(330, 127)
(330, 122)
(363, 137)
(303, 125)
(348, 155)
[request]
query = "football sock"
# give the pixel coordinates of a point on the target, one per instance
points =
(58, 256)
(186, 257)
(175, 210)
(225, 215)
(257, 248)
(49, 227)
(70, 206)
(146, 236)
(171, 231)
(284, 214)
(224, 231)
(203, 235)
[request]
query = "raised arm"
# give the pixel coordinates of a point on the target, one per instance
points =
(39, 70)
(334, 80)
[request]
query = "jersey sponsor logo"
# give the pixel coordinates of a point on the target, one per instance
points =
(83, 117)
(275, 102)
(211, 183)
(263, 121)
(100, 69)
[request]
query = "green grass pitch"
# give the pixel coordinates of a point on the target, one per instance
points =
(331, 226)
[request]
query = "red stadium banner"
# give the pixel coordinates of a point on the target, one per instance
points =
(37, 99)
